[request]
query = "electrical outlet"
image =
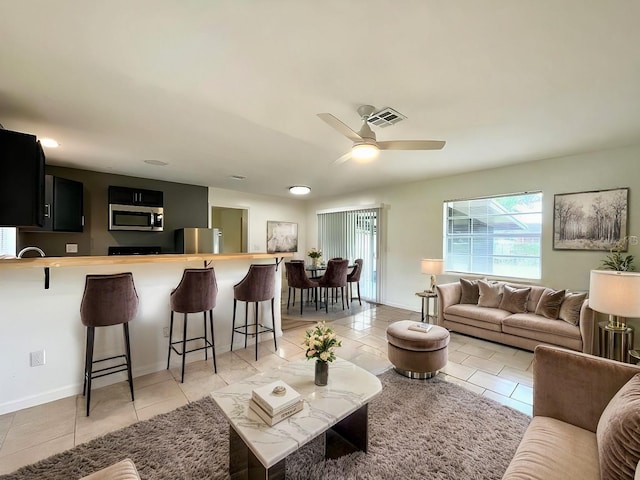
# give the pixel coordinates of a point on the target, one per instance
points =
(37, 358)
(71, 248)
(633, 240)
(165, 332)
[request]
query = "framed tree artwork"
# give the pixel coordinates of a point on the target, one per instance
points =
(282, 237)
(590, 220)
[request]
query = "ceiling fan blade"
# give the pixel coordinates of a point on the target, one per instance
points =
(341, 127)
(342, 159)
(411, 145)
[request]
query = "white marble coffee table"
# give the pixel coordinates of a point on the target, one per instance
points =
(257, 450)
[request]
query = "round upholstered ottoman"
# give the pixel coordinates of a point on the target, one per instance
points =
(417, 354)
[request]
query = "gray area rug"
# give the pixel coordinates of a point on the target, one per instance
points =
(418, 430)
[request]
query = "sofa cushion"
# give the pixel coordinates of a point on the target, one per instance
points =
(538, 328)
(470, 292)
(490, 294)
(549, 304)
(481, 317)
(514, 300)
(571, 306)
(618, 433)
(554, 450)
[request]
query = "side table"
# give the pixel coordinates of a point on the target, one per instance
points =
(426, 297)
(615, 342)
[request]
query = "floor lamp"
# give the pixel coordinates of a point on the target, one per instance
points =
(616, 294)
(433, 267)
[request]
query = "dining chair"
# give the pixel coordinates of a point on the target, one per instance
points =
(334, 277)
(297, 278)
(354, 277)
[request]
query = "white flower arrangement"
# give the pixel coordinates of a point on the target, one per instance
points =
(321, 342)
(314, 253)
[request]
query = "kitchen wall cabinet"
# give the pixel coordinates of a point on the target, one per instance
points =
(135, 196)
(63, 209)
(21, 180)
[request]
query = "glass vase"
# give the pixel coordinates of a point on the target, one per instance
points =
(315, 261)
(322, 373)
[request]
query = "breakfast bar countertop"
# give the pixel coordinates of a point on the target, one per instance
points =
(41, 262)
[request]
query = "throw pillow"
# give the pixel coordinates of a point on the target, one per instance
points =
(570, 307)
(490, 294)
(470, 292)
(618, 433)
(549, 303)
(514, 300)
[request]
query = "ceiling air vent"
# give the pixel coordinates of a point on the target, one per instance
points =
(385, 118)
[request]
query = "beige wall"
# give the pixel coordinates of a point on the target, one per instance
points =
(415, 226)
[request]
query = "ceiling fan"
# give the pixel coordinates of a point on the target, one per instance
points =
(365, 145)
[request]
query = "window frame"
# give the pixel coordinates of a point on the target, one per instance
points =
(519, 252)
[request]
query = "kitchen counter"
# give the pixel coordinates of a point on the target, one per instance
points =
(132, 259)
(34, 318)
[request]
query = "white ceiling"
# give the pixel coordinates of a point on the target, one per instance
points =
(220, 88)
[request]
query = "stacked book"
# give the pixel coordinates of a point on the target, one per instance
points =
(275, 402)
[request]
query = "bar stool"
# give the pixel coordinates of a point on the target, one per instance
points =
(107, 300)
(258, 285)
(196, 292)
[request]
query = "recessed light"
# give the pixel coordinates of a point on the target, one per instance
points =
(300, 190)
(49, 143)
(237, 177)
(158, 163)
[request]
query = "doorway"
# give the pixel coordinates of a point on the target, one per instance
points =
(232, 223)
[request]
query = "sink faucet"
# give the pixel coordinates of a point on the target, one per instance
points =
(30, 249)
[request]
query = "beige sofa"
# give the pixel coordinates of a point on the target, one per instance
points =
(524, 328)
(584, 426)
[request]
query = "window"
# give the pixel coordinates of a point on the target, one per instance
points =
(497, 236)
(8, 241)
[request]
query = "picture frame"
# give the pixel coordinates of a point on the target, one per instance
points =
(594, 220)
(282, 237)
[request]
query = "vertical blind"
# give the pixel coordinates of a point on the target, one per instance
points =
(353, 234)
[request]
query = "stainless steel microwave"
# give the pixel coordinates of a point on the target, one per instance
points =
(136, 217)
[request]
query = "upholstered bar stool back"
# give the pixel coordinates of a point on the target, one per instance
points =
(197, 292)
(334, 277)
(258, 285)
(354, 277)
(297, 278)
(107, 300)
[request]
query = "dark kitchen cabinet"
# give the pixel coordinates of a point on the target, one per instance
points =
(135, 196)
(21, 180)
(63, 208)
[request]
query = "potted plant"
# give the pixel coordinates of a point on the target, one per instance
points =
(315, 256)
(321, 342)
(616, 260)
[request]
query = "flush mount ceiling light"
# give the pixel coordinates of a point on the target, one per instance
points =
(49, 142)
(300, 190)
(157, 163)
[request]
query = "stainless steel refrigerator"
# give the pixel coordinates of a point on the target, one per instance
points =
(199, 240)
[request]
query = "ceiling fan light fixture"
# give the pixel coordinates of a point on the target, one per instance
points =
(364, 151)
(300, 190)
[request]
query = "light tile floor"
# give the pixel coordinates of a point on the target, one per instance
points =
(493, 370)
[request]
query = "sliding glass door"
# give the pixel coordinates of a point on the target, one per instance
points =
(353, 234)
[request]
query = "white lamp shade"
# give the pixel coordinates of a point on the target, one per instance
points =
(615, 293)
(432, 266)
